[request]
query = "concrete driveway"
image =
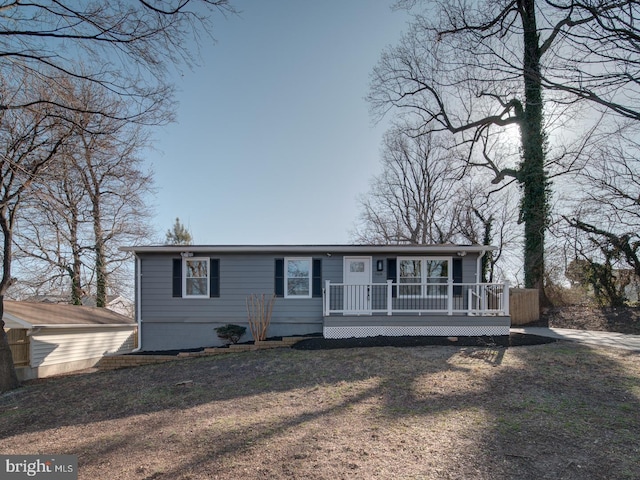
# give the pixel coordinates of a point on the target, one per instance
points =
(591, 337)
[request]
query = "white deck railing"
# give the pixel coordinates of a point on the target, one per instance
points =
(416, 298)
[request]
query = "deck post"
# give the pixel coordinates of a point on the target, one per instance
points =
(505, 297)
(326, 306)
(484, 298)
(389, 297)
(450, 297)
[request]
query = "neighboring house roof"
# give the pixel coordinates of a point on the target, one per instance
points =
(48, 298)
(30, 315)
(424, 249)
(90, 301)
(87, 300)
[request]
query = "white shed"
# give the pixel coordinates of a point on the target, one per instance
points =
(49, 339)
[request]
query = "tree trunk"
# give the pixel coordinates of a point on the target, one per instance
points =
(101, 276)
(101, 265)
(8, 377)
(76, 283)
(487, 258)
(76, 268)
(532, 176)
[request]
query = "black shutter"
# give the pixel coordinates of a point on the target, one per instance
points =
(456, 271)
(177, 277)
(316, 280)
(214, 278)
(392, 274)
(279, 277)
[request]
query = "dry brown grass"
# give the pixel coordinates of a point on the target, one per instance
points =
(550, 411)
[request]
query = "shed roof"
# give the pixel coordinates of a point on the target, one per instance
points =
(46, 314)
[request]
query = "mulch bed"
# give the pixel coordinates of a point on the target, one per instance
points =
(319, 343)
(512, 340)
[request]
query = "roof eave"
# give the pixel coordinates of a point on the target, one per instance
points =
(310, 248)
(84, 325)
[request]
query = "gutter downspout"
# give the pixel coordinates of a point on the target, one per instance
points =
(138, 302)
(479, 266)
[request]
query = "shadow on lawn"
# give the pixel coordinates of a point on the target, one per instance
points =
(562, 411)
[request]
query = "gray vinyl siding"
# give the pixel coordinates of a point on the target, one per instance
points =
(240, 276)
(172, 322)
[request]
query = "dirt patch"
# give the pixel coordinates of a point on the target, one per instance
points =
(622, 320)
(559, 410)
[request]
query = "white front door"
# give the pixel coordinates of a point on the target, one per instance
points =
(357, 285)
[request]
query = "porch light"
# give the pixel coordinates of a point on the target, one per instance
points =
(380, 265)
(462, 254)
(186, 254)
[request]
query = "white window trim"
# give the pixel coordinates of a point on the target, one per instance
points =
(424, 285)
(286, 276)
(184, 276)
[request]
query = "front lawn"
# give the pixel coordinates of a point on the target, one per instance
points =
(550, 411)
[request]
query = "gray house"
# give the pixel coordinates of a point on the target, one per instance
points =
(184, 291)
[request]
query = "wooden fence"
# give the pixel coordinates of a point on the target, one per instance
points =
(19, 345)
(524, 306)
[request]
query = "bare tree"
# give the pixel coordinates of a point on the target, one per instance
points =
(98, 189)
(50, 237)
(475, 69)
(419, 198)
(29, 140)
(121, 47)
(605, 216)
(410, 200)
(487, 217)
(116, 187)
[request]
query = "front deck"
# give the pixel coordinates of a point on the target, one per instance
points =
(429, 309)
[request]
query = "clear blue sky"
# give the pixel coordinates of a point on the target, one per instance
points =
(273, 141)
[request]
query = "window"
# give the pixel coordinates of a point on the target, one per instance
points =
(410, 272)
(356, 266)
(190, 277)
(297, 277)
(425, 277)
(196, 277)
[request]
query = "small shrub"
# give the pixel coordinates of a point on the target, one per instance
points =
(231, 333)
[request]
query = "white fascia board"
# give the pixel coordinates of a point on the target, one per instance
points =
(86, 325)
(10, 317)
(317, 249)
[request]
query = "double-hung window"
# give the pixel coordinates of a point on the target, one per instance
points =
(196, 277)
(423, 276)
(297, 280)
